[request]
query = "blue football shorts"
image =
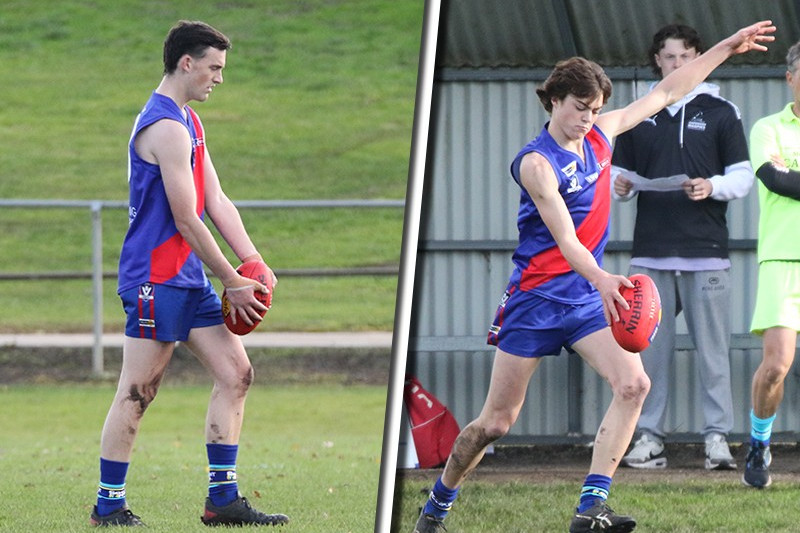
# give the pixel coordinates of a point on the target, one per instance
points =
(528, 325)
(165, 313)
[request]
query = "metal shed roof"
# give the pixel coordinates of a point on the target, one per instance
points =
(614, 33)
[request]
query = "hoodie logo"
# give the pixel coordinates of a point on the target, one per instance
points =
(697, 123)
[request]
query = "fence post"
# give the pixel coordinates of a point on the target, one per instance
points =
(97, 287)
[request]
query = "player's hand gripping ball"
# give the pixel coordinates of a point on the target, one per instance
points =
(637, 326)
(258, 271)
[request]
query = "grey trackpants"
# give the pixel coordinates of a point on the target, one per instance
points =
(704, 298)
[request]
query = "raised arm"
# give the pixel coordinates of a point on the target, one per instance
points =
(681, 81)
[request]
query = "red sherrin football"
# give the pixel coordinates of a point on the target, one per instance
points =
(638, 325)
(256, 270)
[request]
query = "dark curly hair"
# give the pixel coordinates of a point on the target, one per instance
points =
(576, 76)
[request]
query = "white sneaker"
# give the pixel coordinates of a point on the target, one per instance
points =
(647, 452)
(718, 455)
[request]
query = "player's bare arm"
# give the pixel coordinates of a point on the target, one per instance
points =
(226, 218)
(540, 181)
(675, 86)
(168, 144)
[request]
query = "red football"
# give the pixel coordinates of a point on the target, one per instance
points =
(638, 325)
(258, 271)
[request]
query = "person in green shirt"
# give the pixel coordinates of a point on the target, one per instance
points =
(775, 155)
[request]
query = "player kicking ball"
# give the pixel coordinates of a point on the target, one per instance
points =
(164, 290)
(558, 295)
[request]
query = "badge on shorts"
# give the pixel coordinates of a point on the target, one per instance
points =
(146, 292)
(146, 296)
(505, 298)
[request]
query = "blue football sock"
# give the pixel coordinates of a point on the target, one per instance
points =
(761, 428)
(440, 500)
(595, 487)
(111, 492)
(222, 485)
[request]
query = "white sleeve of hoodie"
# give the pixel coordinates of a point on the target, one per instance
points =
(735, 183)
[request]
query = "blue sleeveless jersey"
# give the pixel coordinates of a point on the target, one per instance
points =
(153, 250)
(539, 266)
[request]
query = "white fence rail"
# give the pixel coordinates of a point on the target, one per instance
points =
(97, 275)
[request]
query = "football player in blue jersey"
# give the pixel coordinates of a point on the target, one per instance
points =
(163, 286)
(559, 295)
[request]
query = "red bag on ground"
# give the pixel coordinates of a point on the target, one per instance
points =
(433, 426)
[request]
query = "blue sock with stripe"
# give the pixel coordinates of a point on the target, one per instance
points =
(595, 487)
(222, 485)
(111, 492)
(761, 428)
(440, 500)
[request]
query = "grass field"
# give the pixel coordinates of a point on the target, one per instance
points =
(318, 102)
(696, 506)
(312, 452)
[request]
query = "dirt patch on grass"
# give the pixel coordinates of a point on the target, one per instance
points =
(335, 365)
(570, 463)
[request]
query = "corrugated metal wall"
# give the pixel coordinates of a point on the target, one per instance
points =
(531, 33)
(468, 231)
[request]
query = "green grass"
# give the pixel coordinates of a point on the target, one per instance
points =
(695, 506)
(318, 102)
(311, 452)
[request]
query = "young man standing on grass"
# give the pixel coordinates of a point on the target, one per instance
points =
(559, 295)
(164, 290)
(775, 154)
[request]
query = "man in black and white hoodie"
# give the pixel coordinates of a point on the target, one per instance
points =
(681, 240)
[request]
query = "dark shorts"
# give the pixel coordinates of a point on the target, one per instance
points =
(167, 314)
(528, 325)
